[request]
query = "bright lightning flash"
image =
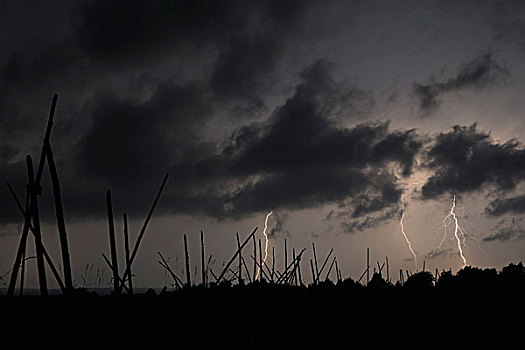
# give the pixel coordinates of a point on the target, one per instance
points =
(266, 242)
(402, 228)
(457, 229)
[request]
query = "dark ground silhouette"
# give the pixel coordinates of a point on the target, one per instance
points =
(474, 306)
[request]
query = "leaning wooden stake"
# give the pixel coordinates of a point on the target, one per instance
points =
(112, 244)
(61, 223)
(260, 258)
(187, 260)
(235, 255)
(324, 263)
(255, 261)
(203, 267)
(313, 272)
(127, 273)
(295, 267)
(387, 270)
(315, 261)
(240, 281)
(126, 247)
(367, 265)
(21, 245)
(44, 251)
(272, 274)
(285, 257)
(36, 225)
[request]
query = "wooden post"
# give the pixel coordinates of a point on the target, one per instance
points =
(316, 267)
(203, 271)
(260, 258)
(31, 228)
(313, 272)
(143, 229)
(22, 273)
(112, 244)
(22, 243)
(235, 255)
(367, 265)
(61, 224)
(330, 269)
(299, 272)
(424, 263)
(272, 275)
(338, 273)
(387, 270)
(187, 259)
(285, 256)
(126, 247)
(295, 266)
(240, 259)
(37, 233)
(255, 261)
(324, 263)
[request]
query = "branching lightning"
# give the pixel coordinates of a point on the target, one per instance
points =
(402, 229)
(457, 230)
(266, 242)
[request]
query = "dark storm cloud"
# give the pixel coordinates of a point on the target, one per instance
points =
(298, 158)
(243, 40)
(466, 159)
(279, 230)
(503, 232)
(500, 206)
(508, 20)
(481, 72)
(304, 159)
(437, 253)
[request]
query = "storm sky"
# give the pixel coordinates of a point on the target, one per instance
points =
(341, 117)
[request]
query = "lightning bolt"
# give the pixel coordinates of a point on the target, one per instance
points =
(457, 229)
(402, 229)
(266, 242)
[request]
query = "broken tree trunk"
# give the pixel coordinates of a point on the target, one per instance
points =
(112, 244)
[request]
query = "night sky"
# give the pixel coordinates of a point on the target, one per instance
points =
(341, 117)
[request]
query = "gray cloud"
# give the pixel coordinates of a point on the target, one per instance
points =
(500, 206)
(481, 72)
(465, 160)
(503, 232)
